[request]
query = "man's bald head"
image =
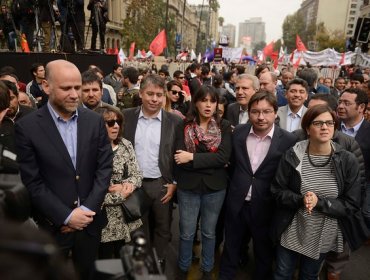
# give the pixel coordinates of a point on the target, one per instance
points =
(54, 65)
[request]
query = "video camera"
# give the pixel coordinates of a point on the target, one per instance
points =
(136, 263)
(15, 203)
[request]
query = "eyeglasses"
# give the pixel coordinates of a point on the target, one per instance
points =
(321, 123)
(263, 112)
(346, 103)
(174, 92)
(111, 123)
(181, 77)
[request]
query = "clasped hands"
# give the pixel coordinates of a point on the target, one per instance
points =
(124, 189)
(310, 200)
(183, 157)
(79, 220)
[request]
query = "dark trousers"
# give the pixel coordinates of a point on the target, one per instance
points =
(157, 222)
(95, 30)
(84, 249)
(236, 228)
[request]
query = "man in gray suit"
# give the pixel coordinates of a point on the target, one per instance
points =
(291, 114)
(246, 86)
(155, 133)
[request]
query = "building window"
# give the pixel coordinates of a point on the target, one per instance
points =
(353, 6)
(352, 12)
(350, 25)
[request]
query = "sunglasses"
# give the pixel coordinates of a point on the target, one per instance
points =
(111, 123)
(174, 92)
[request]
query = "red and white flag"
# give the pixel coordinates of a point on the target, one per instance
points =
(299, 44)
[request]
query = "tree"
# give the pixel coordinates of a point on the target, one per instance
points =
(144, 20)
(221, 21)
(214, 5)
(258, 47)
(293, 25)
(326, 39)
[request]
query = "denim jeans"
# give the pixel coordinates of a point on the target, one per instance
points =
(190, 204)
(286, 262)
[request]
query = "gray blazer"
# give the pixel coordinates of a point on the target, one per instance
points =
(283, 115)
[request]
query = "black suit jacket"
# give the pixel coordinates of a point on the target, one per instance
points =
(233, 112)
(243, 176)
(171, 135)
(207, 168)
(362, 138)
(47, 171)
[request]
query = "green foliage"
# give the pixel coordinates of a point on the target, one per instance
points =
(221, 21)
(294, 24)
(214, 5)
(144, 20)
(258, 47)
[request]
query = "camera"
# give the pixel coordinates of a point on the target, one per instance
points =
(137, 262)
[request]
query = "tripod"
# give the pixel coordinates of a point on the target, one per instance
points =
(53, 25)
(39, 36)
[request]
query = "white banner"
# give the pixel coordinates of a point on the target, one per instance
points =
(232, 54)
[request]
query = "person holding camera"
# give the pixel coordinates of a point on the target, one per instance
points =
(98, 21)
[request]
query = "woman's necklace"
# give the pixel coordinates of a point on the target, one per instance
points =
(319, 165)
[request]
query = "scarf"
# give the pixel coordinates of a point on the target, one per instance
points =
(194, 135)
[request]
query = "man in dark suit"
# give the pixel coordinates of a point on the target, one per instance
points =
(246, 86)
(65, 162)
(351, 107)
(258, 147)
(154, 134)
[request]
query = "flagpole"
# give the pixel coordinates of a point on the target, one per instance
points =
(166, 29)
(182, 25)
(198, 33)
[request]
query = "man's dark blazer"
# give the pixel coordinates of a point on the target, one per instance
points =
(171, 136)
(362, 138)
(47, 171)
(243, 176)
(232, 114)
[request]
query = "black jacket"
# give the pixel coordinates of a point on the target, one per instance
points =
(207, 168)
(286, 186)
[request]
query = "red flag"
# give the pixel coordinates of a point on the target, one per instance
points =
(268, 49)
(159, 43)
(132, 51)
(115, 50)
(275, 58)
(299, 44)
(342, 59)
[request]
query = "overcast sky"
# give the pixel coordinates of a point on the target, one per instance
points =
(273, 13)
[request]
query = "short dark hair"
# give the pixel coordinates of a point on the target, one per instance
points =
(34, 68)
(297, 81)
(153, 79)
(116, 66)
(11, 86)
(131, 73)
(357, 77)
(361, 96)
(260, 68)
(205, 70)
(217, 80)
(309, 75)
(192, 67)
(90, 76)
(105, 110)
(315, 111)
(4, 96)
(330, 100)
(263, 95)
(177, 74)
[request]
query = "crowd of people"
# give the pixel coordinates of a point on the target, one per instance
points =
(281, 160)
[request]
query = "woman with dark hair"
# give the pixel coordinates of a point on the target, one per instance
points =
(126, 176)
(178, 98)
(201, 177)
(317, 192)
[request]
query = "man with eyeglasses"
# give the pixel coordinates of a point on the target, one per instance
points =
(258, 147)
(351, 109)
(291, 114)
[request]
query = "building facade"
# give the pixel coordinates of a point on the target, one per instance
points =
(229, 30)
(251, 32)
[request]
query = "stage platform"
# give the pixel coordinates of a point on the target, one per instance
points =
(22, 61)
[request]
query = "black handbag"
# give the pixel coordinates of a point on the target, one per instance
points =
(136, 205)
